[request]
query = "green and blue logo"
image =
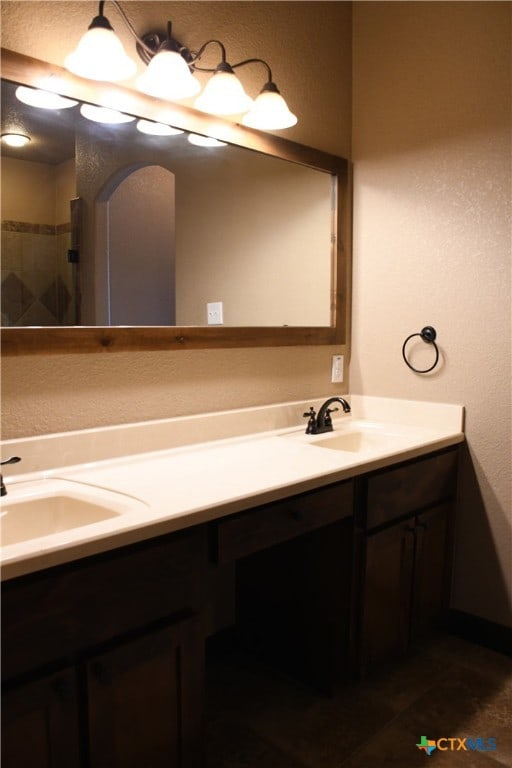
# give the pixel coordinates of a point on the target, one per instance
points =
(427, 745)
(456, 744)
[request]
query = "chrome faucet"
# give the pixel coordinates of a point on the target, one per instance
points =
(323, 422)
(12, 460)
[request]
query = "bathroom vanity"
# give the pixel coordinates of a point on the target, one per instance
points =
(333, 573)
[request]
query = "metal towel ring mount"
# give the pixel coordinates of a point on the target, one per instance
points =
(428, 334)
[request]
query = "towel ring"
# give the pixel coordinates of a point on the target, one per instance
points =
(428, 334)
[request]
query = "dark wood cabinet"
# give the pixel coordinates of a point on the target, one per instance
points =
(431, 581)
(127, 631)
(144, 700)
(103, 658)
(386, 594)
(404, 541)
(40, 723)
(404, 591)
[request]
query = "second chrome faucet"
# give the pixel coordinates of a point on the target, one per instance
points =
(323, 422)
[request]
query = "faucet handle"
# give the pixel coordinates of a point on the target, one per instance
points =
(311, 415)
(11, 460)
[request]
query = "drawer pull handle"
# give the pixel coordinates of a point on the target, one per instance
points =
(296, 514)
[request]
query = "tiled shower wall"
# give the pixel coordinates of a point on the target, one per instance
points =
(37, 280)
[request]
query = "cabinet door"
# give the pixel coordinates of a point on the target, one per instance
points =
(430, 590)
(386, 594)
(40, 724)
(145, 700)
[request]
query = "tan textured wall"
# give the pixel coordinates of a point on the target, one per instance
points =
(47, 394)
(432, 245)
(28, 191)
(35, 192)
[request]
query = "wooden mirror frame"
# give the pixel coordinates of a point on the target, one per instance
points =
(24, 70)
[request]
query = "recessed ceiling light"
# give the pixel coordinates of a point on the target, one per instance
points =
(15, 139)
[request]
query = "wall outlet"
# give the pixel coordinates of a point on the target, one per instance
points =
(214, 313)
(337, 369)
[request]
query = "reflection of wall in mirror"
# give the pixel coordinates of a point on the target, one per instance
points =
(264, 248)
(37, 280)
(259, 240)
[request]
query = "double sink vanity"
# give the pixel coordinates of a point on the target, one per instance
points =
(125, 548)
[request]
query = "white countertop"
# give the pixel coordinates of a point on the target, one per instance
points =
(183, 484)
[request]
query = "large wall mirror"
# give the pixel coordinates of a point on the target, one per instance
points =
(116, 239)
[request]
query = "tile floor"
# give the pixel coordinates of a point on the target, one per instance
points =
(257, 718)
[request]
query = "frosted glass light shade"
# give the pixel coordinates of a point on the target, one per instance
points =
(100, 55)
(223, 95)
(168, 77)
(269, 112)
(36, 97)
(104, 115)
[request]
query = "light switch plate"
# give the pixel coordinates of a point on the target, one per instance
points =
(337, 369)
(214, 313)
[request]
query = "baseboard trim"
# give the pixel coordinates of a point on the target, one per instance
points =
(497, 637)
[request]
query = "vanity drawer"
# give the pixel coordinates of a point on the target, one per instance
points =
(271, 524)
(410, 487)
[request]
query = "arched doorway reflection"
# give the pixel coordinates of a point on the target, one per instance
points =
(139, 219)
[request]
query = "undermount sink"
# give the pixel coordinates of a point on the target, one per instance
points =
(43, 508)
(365, 438)
(360, 441)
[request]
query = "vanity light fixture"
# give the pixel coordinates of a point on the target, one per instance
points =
(156, 129)
(104, 115)
(170, 73)
(43, 99)
(15, 139)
